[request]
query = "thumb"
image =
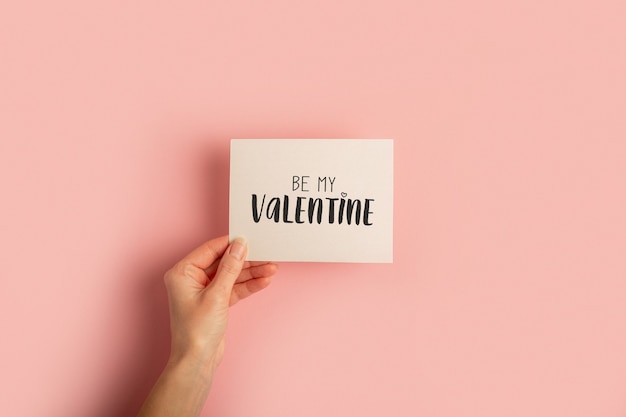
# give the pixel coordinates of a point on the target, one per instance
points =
(230, 265)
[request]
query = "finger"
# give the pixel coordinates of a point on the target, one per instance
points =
(230, 266)
(246, 289)
(210, 271)
(258, 271)
(204, 255)
(253, 271)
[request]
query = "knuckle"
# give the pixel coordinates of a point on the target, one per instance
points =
(188, 270)
(168, 276)
(231, 267)
(177, 271)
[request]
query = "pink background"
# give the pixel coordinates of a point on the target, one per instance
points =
(508, 292)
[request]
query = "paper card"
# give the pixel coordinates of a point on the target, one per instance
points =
(313, 200)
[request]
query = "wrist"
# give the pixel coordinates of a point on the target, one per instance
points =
(195, 362)
(181, 390)
(191, 368)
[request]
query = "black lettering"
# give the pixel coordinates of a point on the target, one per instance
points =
(342, 206)
(286, 210)
(274, 207)
(367, 212)
(315, 204)
(349, 209)
(331, 209)
(256, 213)
(299, 209)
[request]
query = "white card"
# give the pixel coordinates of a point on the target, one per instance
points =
(313, 200)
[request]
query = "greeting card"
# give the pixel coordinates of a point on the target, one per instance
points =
(313, 200)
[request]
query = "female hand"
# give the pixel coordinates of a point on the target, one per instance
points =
(201, 288)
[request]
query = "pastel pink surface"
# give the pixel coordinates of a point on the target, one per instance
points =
(507, 293)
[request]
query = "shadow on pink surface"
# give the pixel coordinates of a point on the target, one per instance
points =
(149, 349)
(147, 352)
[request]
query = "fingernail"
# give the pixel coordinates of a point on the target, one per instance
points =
(237, 248)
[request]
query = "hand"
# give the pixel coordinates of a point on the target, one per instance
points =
(201, 288)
